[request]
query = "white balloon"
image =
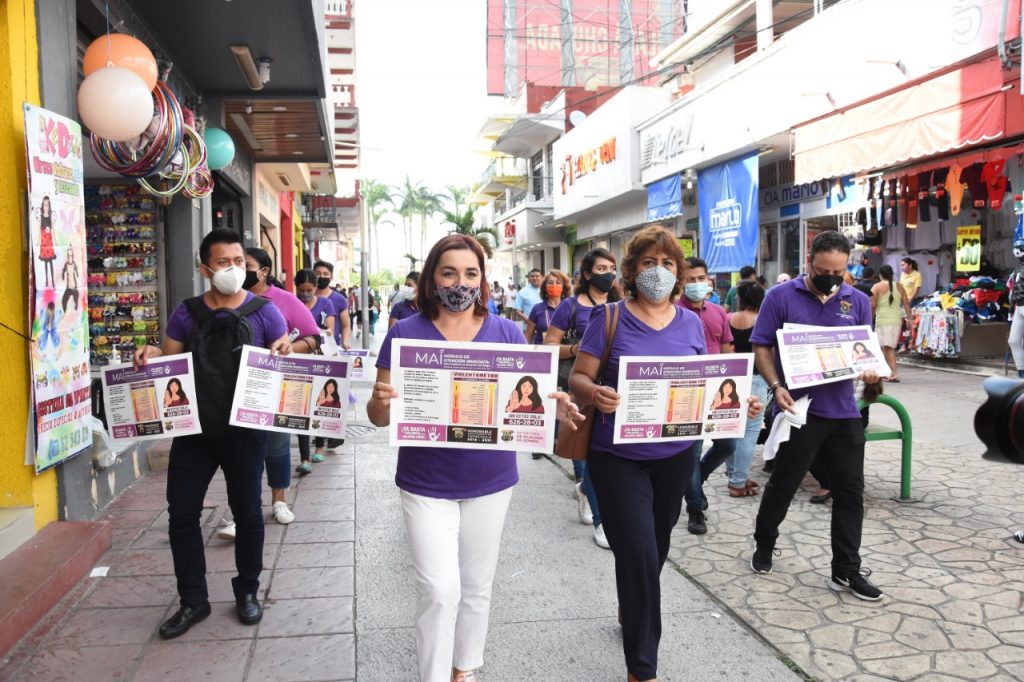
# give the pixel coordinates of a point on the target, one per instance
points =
(115, 103)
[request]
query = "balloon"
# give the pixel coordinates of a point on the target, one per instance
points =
(115, 103)
(124, 51)
(220, 148)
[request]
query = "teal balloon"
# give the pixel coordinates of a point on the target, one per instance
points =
(220, 148)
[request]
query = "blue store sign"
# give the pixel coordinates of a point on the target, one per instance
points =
(727, 198)
(665, 199)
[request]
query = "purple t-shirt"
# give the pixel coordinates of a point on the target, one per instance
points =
(402, 310)
(562, 318)
(322, 310)
(340, 304)
(792, 302)
(541, 315)
(296, 314)
(267, 324)
(683, 336)
(449, 473)
(715, 321)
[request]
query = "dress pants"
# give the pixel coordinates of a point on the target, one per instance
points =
(454, 546)
(193, 462)
(641, 501)
(838, 445)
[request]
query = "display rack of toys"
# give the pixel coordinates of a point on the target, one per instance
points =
(124, 308)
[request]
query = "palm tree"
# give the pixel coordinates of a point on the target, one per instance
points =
(458, 196)
(464, 223)
(377, 196)
(428, 203)
(408, 205)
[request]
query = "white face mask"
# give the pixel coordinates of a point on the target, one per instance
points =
(406, 293)
(229, 280)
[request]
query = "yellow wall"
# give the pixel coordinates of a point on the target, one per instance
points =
(19, 82)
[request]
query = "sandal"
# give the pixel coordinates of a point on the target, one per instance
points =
(741, 492)
(752, 483)
(316, 457)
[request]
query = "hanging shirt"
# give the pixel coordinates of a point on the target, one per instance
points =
(993, 177)
(955, 187)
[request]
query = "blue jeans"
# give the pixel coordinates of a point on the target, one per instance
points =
(739, 467)
(279, 460)
(579, 468)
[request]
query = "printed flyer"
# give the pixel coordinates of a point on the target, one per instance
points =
(296, 393)
(155, 401)
(482, 396)
(61, 386)
(360, 366)
(812, 356)
(700, 397)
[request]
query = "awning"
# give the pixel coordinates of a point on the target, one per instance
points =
(954, 110)
(665, 199)
(530, 133)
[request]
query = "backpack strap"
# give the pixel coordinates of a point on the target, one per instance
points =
(251, 306)
(198, 310)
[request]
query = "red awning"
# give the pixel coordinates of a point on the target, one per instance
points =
(954, 110)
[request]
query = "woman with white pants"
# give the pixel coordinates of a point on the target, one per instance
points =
(454, 501)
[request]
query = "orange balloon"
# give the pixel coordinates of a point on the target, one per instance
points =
(118, 49)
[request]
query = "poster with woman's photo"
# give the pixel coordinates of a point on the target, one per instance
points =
(361, 366)
(155, 401)
(812, 356)
(298, 393)
(702, 397)
(473, 395)
(58, 312)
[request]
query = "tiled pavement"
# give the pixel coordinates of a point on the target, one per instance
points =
(105, 629)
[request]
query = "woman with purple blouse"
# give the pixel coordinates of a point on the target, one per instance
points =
(639, 487)
(454, 501)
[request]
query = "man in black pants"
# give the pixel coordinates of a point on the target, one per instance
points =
(834, 432)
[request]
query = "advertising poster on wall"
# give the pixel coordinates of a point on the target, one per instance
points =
(482, 396)
(57, 288)
(693, 398)
(155, 401)
(298, 393)
(728, 206)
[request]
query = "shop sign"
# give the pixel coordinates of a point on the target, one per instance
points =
(726, 198)
(58, 299)
(576, 167)
(686, 244)
(968, 248)
(663, 146)
(790, 194)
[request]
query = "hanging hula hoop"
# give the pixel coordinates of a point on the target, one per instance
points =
(154, 149)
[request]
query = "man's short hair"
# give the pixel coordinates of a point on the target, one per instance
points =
(695, 262)
(747, 271)
(830, 241)
(324, 264)
(220, 235)
(537, 270)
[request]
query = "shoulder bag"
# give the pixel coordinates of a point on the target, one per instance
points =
(575, 444)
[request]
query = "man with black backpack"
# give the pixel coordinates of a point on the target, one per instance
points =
(214, 327)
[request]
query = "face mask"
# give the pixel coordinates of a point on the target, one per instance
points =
(306, 297)
(554, 290)
(251, 277)
(323, 282)
(1018, 253)
(655, 284)
(228, 281)
(406, 293)
(827, 284)
(458, 298)
(696, 291)
(603, 283)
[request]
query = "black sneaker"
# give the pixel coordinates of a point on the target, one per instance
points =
(697, 524)
(761, 559)
(856, 584)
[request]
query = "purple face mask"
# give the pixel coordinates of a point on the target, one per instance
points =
(458, 298)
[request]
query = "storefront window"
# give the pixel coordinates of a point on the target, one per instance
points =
(791, 248)
(768, 253)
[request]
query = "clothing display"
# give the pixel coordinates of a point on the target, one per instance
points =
(937, 333)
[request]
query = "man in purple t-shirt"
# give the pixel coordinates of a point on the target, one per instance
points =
(237, 451)
(834, 432)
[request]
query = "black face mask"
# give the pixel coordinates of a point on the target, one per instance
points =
(603, 283)
(251, 278)
(323, 282)
(827, 283)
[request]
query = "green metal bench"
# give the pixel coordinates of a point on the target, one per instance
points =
(905, 434)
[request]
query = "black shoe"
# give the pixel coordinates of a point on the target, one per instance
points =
(697, 524)
(250, 611)
(821, 499)
(761, 559)
(856, 584)
(183, 619)
(538, 455)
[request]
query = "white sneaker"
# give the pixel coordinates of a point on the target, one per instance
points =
(227, 531)
(583, 506)
(599, 537)
(282, 514)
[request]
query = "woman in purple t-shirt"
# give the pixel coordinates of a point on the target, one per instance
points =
(640, 487)
(325, 317)
(454, 501)
(555, 288)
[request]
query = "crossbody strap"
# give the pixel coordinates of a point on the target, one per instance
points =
(611, 325)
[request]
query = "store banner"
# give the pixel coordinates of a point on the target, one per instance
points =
(968, 248)
(665, 198)
(60, 379)
(727, 200)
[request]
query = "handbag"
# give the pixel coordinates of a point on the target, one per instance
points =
(575, 444)
(572, 337)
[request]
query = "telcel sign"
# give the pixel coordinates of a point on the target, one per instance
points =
(575, 167)
(664, 144)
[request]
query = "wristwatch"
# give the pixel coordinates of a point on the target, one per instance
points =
(777, 385)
